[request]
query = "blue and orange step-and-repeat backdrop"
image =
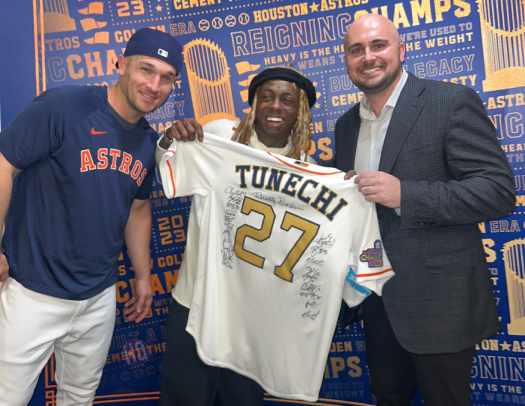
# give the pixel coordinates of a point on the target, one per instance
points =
(477, 43)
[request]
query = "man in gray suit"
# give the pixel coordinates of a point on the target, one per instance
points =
(428, 156)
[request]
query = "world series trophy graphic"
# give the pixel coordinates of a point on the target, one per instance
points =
(56, 17)
(503, 38)
(514, 258)
(209, 80)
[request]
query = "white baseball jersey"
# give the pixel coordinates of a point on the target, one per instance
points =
(269, 248)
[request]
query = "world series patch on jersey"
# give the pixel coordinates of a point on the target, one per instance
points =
(276, 244)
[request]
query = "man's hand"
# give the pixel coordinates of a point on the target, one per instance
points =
(185, 130)
(4, 268)
(139, 305)
(350, 174)
(380, 187)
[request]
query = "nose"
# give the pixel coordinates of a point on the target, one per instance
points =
(154, 83)
(368, 55)
(276, 104)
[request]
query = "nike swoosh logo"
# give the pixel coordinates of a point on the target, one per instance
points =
(94, 132)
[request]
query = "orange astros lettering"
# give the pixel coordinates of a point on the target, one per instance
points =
(135, 170)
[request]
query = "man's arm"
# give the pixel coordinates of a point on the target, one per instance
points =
(7, 176)
(137, 235)
(482, 185)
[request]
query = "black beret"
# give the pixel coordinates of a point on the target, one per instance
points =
(287, 74)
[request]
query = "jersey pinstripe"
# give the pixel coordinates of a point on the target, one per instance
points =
(270, 243)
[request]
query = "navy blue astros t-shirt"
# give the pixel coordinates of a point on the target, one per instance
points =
(81, 171)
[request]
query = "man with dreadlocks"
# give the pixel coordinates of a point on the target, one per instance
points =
(279, 122)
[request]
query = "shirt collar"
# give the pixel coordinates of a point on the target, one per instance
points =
(365, 110)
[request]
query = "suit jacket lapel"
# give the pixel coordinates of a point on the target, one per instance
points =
(352, 134)
(404, 116)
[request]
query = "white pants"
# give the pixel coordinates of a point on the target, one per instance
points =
(33, 326)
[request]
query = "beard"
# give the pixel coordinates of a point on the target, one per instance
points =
(377, 87)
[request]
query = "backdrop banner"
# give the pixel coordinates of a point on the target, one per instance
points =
(481, 44)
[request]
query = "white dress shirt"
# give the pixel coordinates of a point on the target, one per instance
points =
(373, 130)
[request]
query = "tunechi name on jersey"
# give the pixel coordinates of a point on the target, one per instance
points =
(292, 185)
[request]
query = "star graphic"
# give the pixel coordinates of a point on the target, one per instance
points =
(314, 7)
(318, 94)
(317, 106)
(505, 346)
(159, 8)
(315, 84)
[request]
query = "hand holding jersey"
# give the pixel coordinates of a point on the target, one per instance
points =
(380, 187)
(183, 130)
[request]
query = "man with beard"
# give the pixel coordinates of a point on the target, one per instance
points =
(428, 156)
(84, 162)
(279, 122)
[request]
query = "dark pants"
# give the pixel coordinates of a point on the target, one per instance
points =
(395, 373)
(187, 381)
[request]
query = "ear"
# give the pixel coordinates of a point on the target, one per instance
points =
(121, 65)
(402, 52)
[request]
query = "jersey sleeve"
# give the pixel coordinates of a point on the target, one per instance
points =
(36, 131)
(369, 267)
(145, 189)
(189, 168)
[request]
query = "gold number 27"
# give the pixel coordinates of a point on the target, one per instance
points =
(290, 220)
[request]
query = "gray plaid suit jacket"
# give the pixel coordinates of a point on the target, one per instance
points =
(443, 148)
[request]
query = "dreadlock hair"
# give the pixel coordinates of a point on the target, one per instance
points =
(301, 134)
